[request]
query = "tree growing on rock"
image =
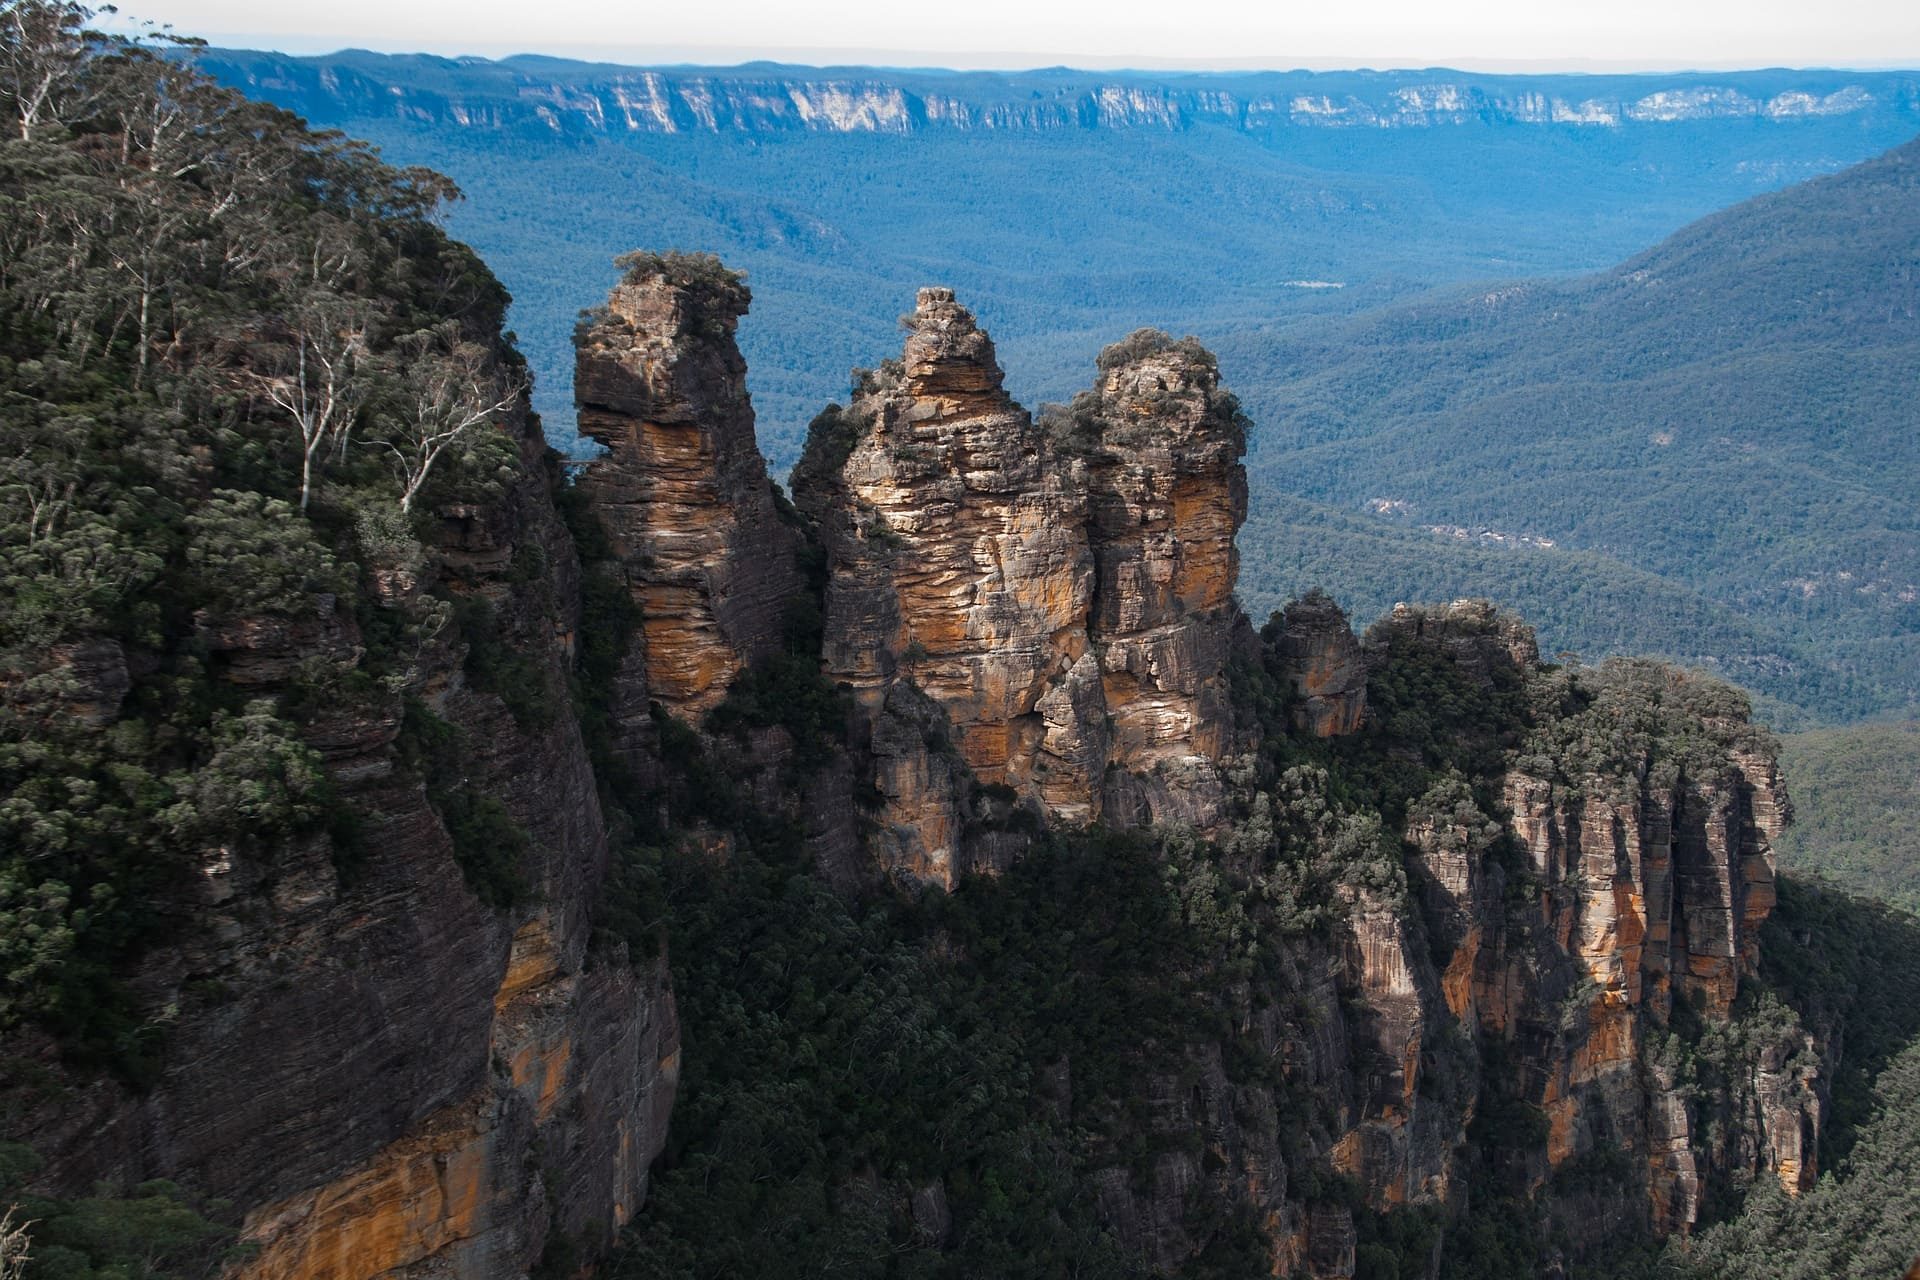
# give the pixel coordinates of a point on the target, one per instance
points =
(452, 389)
(317, 373)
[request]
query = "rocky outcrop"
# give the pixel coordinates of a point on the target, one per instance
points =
(1057, 596)
(683, 491)
(1476, 637)
(1654, 887)
(1166, 496)
(1644, 810)
(1325, 666)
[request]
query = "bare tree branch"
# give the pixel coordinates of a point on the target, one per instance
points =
(454, 389)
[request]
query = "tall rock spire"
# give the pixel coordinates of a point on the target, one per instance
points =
(1053, 599)
(683, 490)
(1167, 495)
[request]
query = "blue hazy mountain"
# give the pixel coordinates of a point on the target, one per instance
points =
(1735, 411)
(1066, 206)
(1295, 222)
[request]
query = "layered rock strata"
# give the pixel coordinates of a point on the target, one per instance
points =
(1644, 885)
(1166, 497)
(383, 1073)
(682, 491)
(1039, 606)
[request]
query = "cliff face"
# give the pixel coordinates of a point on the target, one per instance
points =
(1045, 608)
(1167, 494)
(1324, 666)
(683, 492)
(1052, 601)
(576, 99)
(1645, 872)
(385, 1073)
(1559, 927)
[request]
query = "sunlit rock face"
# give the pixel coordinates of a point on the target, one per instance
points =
(1057, 594)
(1167, 495)
(683, 490)
(1637, 873)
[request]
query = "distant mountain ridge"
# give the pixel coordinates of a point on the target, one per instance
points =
(567, 97)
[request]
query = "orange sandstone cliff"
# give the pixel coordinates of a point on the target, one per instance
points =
(1034, 622)
(683, 491)
(383, 1071)
(1044, 607)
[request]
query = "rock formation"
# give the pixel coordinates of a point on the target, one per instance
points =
(1325, 666)
(1034, 621)
(1167, 494)
(1052, 599)
(1645, 876)
(683, 490)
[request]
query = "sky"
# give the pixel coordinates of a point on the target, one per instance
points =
(1568, 35)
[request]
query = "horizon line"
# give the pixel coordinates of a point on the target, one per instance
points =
(962, 62)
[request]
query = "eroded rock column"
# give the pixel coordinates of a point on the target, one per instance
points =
(683, 491)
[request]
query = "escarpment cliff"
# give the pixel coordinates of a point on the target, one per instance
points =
(1617, 902)
(393, 1044)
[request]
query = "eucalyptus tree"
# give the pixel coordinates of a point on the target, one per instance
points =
(453, 389)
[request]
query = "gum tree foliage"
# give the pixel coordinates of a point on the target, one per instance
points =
(238, 360)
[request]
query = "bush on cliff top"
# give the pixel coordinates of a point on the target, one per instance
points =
(1143, 343)
(717, 292)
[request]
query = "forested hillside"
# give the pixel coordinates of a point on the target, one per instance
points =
(1591, 604)
(1733, 412)
(267, 485)
(1857, 800)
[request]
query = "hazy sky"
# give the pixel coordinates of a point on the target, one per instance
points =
(1481, 33)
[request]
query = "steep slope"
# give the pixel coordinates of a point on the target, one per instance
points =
(1857, 791)
(302, 850)
(1732, 411)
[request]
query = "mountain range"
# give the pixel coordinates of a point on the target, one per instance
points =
(1264, 213)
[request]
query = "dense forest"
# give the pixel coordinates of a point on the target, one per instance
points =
(1589, 603)
(246, 374)
(239, 360)
(1855, 792)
